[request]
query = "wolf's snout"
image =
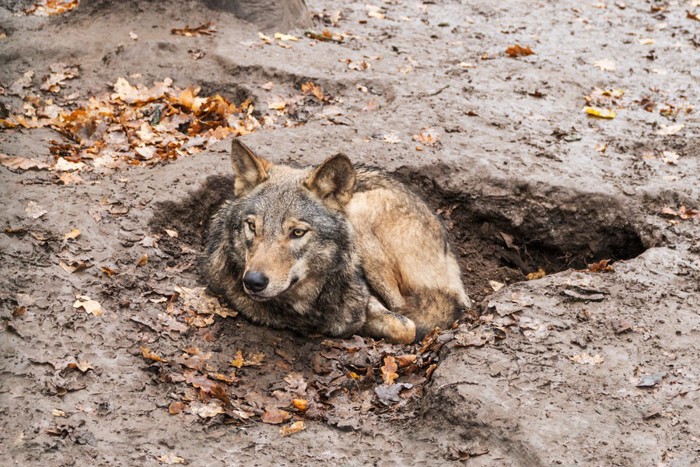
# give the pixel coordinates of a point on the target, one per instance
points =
(255, 281)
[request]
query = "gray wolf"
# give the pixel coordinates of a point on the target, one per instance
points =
(336, 250)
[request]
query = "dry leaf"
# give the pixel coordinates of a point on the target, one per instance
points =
(682, 212)
(170, 459)
(602, 113)
(601, 266)
(518, 50)
(286, 37)
(275, 416)
(21, 163)
(17, 88)
(34, 211)
(143, 260)
(73, 234)
(212, 409)
(692, 15)
(89, 305)
(238, 360)
(171, 233)
(176, 407)
(82, 366)
(374, 11)
(586, 359)
(539, 274)
(300, 404)
(207, 29)
(150, 355)
(59, 73)
(389, 374)
(52, 7)
(496, 286)
(427, 136)
(58, 413)
(295, 427)
(392, 138)
(311, 88)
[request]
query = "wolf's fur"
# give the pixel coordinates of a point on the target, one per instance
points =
(343, 250)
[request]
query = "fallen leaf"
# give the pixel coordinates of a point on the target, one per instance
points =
(17, 88)
(374, 11)
(427, 136)
(21, 163)
(496, 286)
(108, 271)
(74, 266)
(300, 404)
(275, 416)
(64, 165)
(212, 409)
(34, 211)
(539, 274)
(73, 234)
(82, 366)
(286, 37)
(170, 459)
(52, 7)
(143, 260)
(682, 212)
(58, 413)
(392, 138)
(150, 355)
(295, 427)
(88, 305)
(605, 64)
(598, 112)
(70, 178)
(586, 359)
(171, 233)
(692, 15)
(238, 360)
(601, 266)
(518, 50)
(176, 407)
(324, 36)
(389, 374)
(314, 89)
(389, 394)
(59, 73)
(207, 29)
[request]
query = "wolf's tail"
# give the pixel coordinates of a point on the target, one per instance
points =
(434, 307)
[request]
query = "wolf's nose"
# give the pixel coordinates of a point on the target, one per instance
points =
(255, 281)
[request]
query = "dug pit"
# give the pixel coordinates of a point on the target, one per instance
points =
(232, 371)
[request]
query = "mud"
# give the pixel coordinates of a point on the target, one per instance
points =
(574, 368)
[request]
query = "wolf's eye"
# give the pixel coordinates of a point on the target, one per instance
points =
(251, 226)
(298, 233)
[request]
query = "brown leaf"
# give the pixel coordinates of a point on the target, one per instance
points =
(73, 234)
(176, 407)
(52, 7)
(295, 427)
(207, 29)
(83, 366)
(601, 266)
(89, 305)
(300, 404)
(539, 274)
(143, 260)
(389, 370)
(238, 360)
(427, 136)
(150, 355)
(21, 163)
(314, 89)
(275, 416)
(692, 15)
(518, 50)
(682, 212)
(405, 360)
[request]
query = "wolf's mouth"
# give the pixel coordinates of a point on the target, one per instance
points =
(260, 297)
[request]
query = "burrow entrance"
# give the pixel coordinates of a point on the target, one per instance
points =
(502, 239)
(231, 371)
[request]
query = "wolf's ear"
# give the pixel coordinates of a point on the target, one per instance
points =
(249, 169)
(333, 181)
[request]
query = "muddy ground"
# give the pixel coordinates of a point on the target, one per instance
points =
(575, 368)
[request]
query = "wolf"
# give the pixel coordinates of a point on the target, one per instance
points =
(335, 249)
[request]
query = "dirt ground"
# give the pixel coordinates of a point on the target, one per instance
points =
(574, 368)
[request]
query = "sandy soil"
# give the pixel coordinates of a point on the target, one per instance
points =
(575, 368)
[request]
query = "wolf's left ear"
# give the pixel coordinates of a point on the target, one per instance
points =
(249, 169)
(333, 181)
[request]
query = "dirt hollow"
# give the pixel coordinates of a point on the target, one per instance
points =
(114, 355)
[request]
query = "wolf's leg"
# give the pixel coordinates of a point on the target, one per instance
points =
(382, 323)
(380, 273)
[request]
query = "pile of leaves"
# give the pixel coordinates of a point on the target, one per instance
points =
(136, 124)
(336, 381)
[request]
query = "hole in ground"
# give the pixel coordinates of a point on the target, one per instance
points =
(342, 380)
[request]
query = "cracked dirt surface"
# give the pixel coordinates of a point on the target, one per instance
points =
(575, 368)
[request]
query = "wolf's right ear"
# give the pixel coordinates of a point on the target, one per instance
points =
(333, 181)
(249, 170)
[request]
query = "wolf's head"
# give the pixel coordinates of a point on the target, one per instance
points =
(287, 227)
